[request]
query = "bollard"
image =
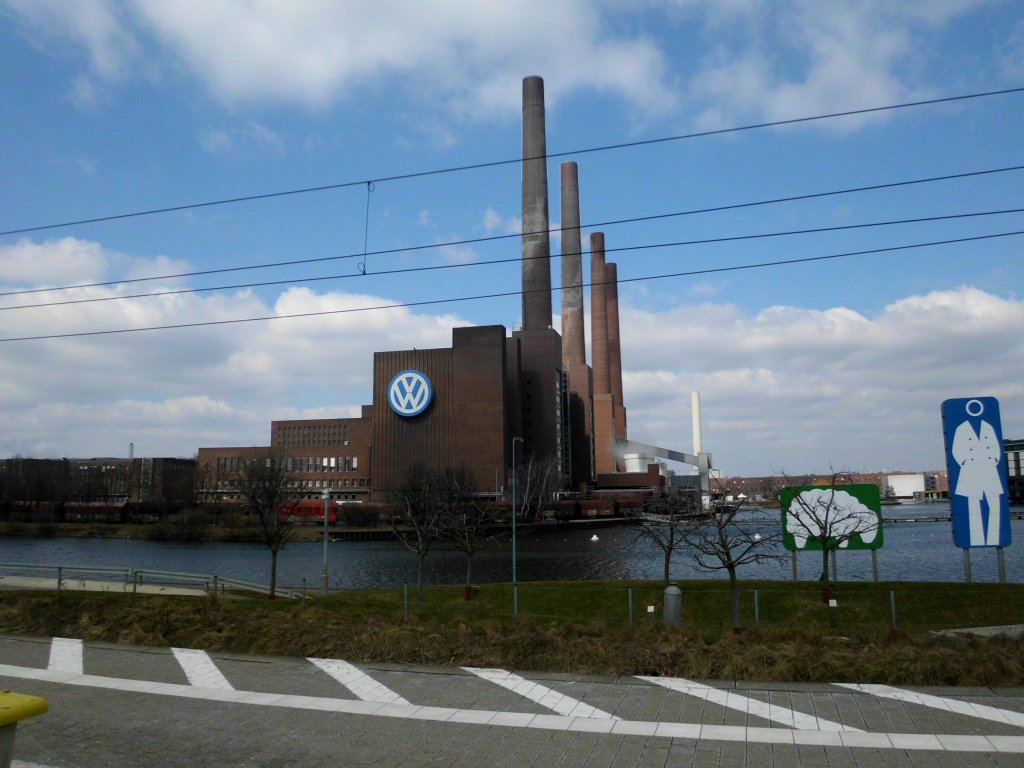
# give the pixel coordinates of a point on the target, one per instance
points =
(833, 613)
(15, 707)
(672, 613)
(652, 620)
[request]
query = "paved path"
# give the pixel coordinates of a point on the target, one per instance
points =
(129, 706)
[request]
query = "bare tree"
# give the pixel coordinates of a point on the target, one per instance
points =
(722, 539)
(270, 495)
(536, 482)
(664, 521)
(828, 516)
(416, 515)
(467, 522)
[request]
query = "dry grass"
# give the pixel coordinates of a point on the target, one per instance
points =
(358, 630)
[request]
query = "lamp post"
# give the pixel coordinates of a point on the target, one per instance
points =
(515, 511)
(327, 509)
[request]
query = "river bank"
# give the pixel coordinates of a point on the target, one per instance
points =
(566, 628)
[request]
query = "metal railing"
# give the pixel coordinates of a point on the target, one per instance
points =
(133, 578)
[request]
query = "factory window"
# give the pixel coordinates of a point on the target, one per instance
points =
(355, 463)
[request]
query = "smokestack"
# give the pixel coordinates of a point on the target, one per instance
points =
(573, 346)
(599, 315)
(614, 347)
(695, 415)
(536, 243)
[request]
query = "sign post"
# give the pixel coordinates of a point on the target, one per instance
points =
(978, 485)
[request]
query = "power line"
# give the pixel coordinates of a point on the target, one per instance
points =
(513, 259)
(497, 163)
(504, 294)
(494, 238)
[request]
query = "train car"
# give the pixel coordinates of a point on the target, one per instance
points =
(307, 512)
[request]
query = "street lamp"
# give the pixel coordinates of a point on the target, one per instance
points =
(515, 585)
(327, 509)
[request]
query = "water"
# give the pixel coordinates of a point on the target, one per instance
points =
(912, 552)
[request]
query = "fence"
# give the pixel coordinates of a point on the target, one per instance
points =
(100, 578)
(707, 607)
(861, 608)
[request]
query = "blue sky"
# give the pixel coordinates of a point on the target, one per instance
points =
(116, 107)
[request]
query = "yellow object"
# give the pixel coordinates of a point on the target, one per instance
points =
(17, 706)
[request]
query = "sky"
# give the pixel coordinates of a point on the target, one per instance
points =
(112, 107)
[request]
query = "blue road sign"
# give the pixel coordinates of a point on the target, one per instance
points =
(977, 472)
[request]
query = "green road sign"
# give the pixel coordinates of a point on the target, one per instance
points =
(849, 515)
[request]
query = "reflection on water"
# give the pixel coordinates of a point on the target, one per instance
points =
(912, 552)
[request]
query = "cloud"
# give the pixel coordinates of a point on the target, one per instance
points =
(799, 390)
(772, 60)
(173, 391)
(54, 262)
(785, 388)
(316, 52)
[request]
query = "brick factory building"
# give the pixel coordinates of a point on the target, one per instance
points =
(491, 393)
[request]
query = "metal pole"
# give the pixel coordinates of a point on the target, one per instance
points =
(967, 565)
(1001, 562)
(515, 586)
(892, 606)
(629, 593)
(60, 579)
(327, 509)
(835, 572)
(405, 600)
(874, 564)
(757, 610)
(794, 565)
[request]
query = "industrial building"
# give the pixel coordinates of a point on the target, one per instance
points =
(493, 397)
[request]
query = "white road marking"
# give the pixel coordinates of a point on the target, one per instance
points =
(65, 656)
(546, 697)
(939, 702)
(737, 733)
(200, 669)
(357, 681)
(733, 700)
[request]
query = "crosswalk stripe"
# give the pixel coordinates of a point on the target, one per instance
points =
(733, 700)
(546, 697)
(357, 681)
(66, 655)
(939, 702)
(200, 669)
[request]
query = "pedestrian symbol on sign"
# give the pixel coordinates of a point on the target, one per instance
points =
(977, 472)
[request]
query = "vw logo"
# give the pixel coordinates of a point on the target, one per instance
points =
(409, 393)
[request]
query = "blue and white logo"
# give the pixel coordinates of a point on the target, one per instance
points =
(409, 393)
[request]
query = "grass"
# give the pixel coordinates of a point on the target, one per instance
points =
(580, 627)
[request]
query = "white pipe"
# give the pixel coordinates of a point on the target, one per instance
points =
(695, 408)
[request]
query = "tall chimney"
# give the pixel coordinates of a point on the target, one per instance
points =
(615, 347)
(573, 345)
(536, 242)
(604, 402)
(599, 315)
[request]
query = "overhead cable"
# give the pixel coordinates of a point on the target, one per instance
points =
(494, 238)
(504, 294)
(511, 259)
(510, 161)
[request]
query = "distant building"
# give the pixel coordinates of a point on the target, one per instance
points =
(1014, 454)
